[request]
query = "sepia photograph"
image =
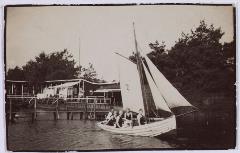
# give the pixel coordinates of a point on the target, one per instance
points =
(120, 77)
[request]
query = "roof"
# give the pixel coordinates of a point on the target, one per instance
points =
(68, 84)
(69, 80)
(110, 86)
(15, 81)
(108, 90)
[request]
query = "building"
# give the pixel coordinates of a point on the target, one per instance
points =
(72, 88)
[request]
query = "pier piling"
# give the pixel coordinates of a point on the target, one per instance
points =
(54, 116)
(71, 115)
(10, 110)
(35, 109)
(94, 109)
(68, 114)
(57, 112)
(85, 111)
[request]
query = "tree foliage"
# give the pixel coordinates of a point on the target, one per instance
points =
(55, 66)
(14, 73)
(198, 61)
(89, 73)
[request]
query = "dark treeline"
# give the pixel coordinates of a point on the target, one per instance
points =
(54, 66)
(198, 64)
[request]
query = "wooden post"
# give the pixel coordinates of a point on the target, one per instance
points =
(85, 110)
(35, 109)
(58, 116)
(68, 113)
(56, 113)
(94, 108)
(12, 89)
(32, 117)
(71, 115)
(22, 90)
(54, 116)
(83, 88)
(81, 115)
(33, 90)
(10, 109)
(79, 88)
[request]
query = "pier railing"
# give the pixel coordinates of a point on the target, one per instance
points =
(98, 100)
(85, 106)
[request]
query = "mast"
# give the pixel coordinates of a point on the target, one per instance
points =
(140, 71)
(79, 64)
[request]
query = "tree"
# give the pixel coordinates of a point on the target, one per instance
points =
(198, 61)
(57, 65)
(157, 48)
(15, 74)
(89, 73)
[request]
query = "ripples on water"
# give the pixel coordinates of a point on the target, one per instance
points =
(46, 134)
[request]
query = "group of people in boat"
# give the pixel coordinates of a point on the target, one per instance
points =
(120, 119)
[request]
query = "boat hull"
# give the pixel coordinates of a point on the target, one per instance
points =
(152, 129)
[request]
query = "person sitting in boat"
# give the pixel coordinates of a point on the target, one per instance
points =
(140, 117)
(128, 116)
(110, 114)
(113, 118)
(108, 117)
(119, 120)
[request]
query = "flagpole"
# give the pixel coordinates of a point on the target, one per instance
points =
(79, 63)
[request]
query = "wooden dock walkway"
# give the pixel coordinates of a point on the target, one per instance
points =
(88, 108)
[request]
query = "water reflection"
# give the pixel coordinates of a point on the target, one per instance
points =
(73, 135)
(45, 134)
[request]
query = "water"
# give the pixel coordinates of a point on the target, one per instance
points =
(73, 135)
(45, 134)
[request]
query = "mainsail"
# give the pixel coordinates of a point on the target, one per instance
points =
(157, 97)
(172, 97)
(130, 85)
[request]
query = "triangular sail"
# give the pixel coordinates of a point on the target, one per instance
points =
(157, 97)
(130, 85)
(170, 94)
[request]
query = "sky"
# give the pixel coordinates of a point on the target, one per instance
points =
(99, 31)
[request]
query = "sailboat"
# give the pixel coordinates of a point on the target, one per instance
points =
(144, 87)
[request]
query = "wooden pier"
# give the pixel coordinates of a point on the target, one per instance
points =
(87, 108)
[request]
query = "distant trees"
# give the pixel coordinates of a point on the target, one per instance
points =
(57, 65)
(198, 61)
(89, 73)
(14, 73)
(54, 66)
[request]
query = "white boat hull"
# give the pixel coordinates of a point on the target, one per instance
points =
(152, 129)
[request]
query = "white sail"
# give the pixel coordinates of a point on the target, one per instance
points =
(170, 94)
(130, 85)
(159, 101)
